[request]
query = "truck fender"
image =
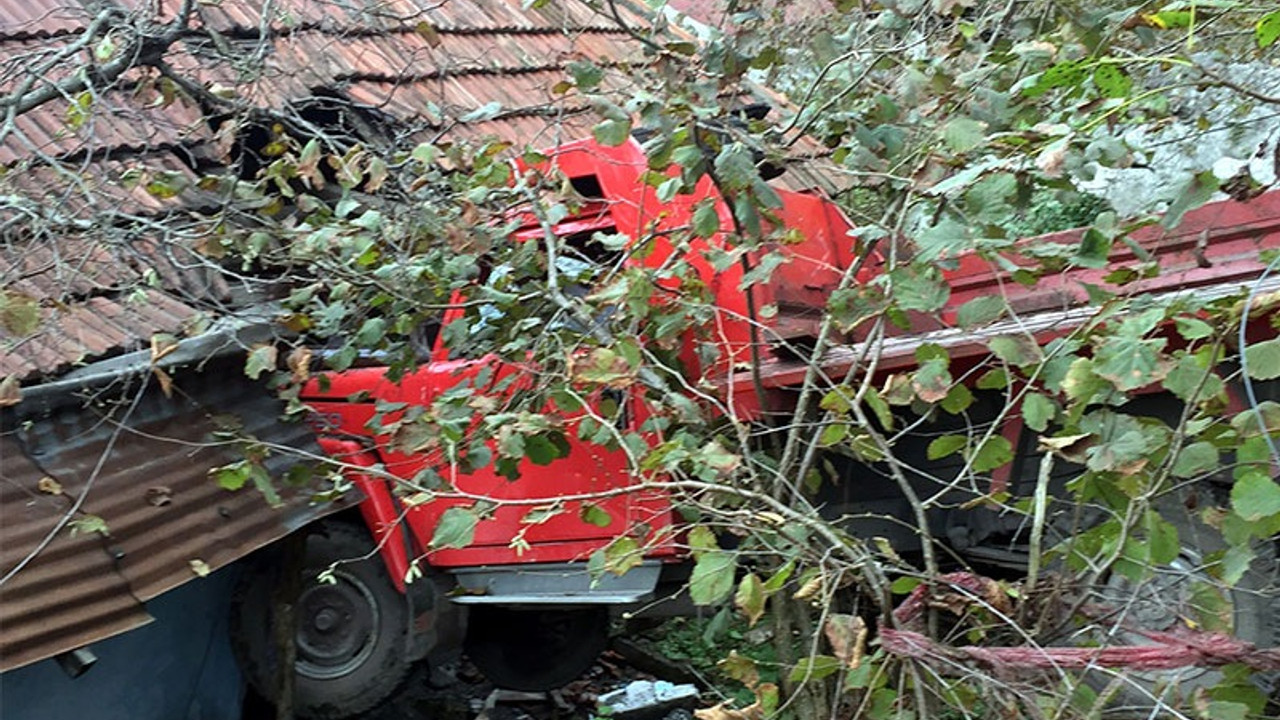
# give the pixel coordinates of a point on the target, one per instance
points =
(379, 509)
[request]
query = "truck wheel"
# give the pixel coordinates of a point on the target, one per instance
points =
(350, 635)
(1182, 595)
(535, 649)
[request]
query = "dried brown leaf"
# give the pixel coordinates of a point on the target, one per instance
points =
(10, 391)
(724, 712)
(848, 637)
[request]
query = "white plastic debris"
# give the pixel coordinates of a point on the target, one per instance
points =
(643, 699)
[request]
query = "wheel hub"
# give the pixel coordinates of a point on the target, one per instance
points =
(336, 625)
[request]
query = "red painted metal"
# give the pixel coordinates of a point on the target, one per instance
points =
(1218, 245)
(379, 509)
(590, 473)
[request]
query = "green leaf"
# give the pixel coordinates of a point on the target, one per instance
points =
(904, 585)
(1018, 350)
(1223, 710)
(262, 482)
(712, 578)
(105, 49)
(736, 167)
(922, 289)
(456, 529)
(706, 221)
(1068, 73)
(540, 515)
(780, 578)
(958, 399)
(750, 598)
(948, 238)
(1198, 191)
(1193, 328)
(1255, 496)
(595, 515)
(1171, 19)
(165, 185)
(488, 111)
(424, 153)
(884, 415)
(1196, 459)
(1037, 411)
(744, 209)
(981, 311)
(262, 357)
(1162, 539)
(1267, 30)
(740, 668)
(371, 332)
(586, 74)
(963, 134)
(1263, 359)
(763, 269)
(231, 477)
(1236, 561)
(19, 313)
(932, 381)
(1130, 363)
(1095, 249)
(80, 110)
(702, 540)
(1111, 81)
(992, 453)
(540, 449)
(87, 523)
(994, 379)
(1263, 418)
(833, 434)
(622, 554)
(814, 667)
(945, 445)
(612, 132)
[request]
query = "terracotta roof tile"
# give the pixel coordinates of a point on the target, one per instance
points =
(424, 64)
(41, 18)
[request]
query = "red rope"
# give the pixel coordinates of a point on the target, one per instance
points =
(1166, 651)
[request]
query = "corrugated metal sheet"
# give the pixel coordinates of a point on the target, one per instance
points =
(142, 468)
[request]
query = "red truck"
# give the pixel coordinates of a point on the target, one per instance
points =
(415, 567)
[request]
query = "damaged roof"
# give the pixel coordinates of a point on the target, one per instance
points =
(105, 494)
(112, 115)
(107, 504)
(98, 162)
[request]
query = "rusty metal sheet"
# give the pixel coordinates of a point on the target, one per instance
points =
(41, 612)
(140, 465)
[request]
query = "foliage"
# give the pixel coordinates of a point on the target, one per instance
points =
(959, 127)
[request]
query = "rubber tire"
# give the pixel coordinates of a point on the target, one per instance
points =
(384, 665)
(535, 650)
(1254, 601)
